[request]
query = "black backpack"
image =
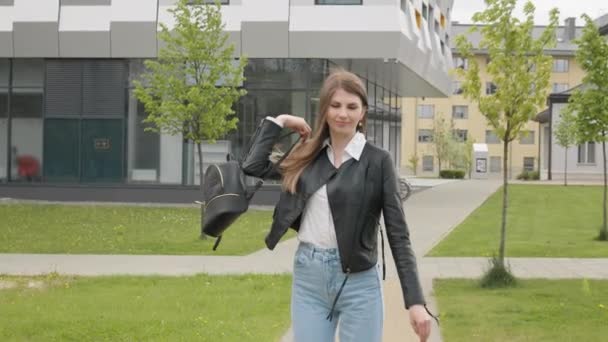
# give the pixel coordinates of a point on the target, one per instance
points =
(226, 196)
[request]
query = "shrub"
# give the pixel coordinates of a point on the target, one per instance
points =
(451, 174)
(529, 175)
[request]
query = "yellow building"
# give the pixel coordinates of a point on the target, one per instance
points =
(419, 113)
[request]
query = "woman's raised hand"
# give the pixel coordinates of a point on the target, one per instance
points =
(295, 123)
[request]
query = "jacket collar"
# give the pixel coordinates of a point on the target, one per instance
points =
(355, 146)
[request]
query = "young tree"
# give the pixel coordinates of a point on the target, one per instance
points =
(191, 87)
(565, 136)
(589, 103)
(518, 68)
(413, 161)
(442, 136)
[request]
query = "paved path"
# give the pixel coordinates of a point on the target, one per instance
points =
(431, 214)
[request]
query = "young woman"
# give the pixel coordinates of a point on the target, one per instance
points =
(335, 185)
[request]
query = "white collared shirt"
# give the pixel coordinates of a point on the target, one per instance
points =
(317, 225)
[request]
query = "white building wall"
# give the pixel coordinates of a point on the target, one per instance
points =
(558, 155)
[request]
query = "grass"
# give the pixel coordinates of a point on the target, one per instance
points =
(542, 221)
(535, 310)
(31, 228)
(197, 308)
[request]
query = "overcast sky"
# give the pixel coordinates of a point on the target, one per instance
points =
(463, 9)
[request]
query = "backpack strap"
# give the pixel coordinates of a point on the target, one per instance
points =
(275, 166)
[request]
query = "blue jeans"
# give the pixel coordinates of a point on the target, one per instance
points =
(317, 277)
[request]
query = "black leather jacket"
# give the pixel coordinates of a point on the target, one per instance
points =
(357, 192)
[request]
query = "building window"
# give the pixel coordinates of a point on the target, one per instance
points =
(418, 20)
(425, 13)
(529, 164)
(338, 2)
(460, 112)
(526, 137)
(495, 164)
(490, 88)
(403, 5)
(427, 163)
(443, 21)
(456, 88)
(491, 137)
(460, 135)
(560, 65)
(460, 62)
(426, 111)
(425, 135)
(559, 87)
(586, 153)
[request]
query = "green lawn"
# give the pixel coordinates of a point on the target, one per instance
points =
(536, 310)
(543, 221)
(26, 228)
(197, 308)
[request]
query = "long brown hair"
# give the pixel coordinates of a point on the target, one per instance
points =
(304, 153)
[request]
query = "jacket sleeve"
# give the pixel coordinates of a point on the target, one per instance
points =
(399, 236)
(255, 160)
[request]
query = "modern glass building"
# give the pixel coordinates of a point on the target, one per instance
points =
(69, 120)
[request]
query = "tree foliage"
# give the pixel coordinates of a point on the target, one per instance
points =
(190, 89)
(519, 69)
(588, 104)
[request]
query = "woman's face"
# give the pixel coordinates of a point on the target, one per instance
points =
(344, 112)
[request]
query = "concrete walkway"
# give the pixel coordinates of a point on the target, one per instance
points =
(431, 214)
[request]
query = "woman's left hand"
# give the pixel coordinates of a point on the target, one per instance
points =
(420, 321)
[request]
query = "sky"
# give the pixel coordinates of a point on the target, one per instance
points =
(463, 9)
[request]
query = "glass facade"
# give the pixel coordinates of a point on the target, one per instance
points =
(77, 121)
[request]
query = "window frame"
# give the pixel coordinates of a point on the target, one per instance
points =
(524, 138)
(419, 111)
(491, 87)
(492, 133)
(585, 153)
(429, 135)
(432, 159)
(466, 112)
(565, 67)
(529, 169)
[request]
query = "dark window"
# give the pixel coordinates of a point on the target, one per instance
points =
(492, 138)
(460, 134)
(526, 137)
(426, 111)
(586, 153)
(460, 112)
(490, 88)
(460, 62)
(456, 88)
(425, 135)
(560, 65)
(427, 163)
(528, 163)
(495, 163)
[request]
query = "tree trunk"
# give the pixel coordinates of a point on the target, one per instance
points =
(604, 224)
(505, 197)
(566, 167)
(201, 178)
(200, 164)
